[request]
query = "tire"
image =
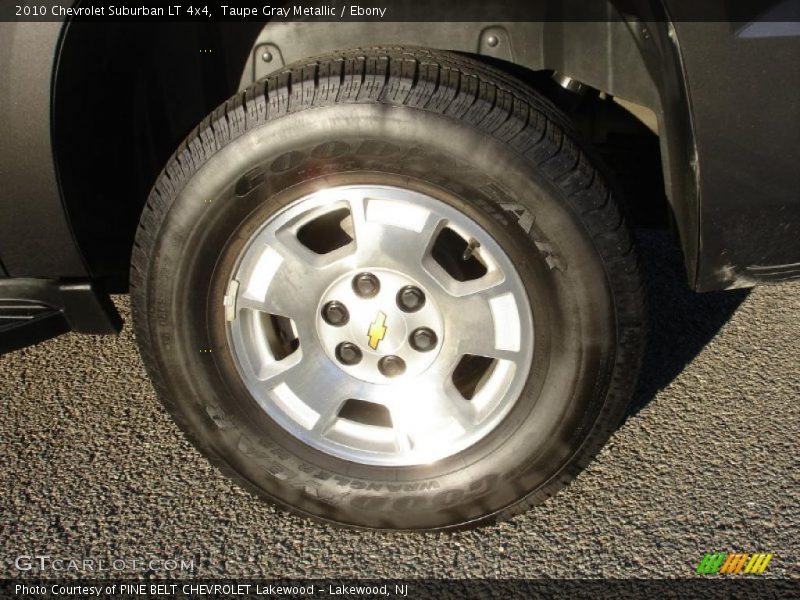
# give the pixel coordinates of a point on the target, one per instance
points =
(435, 128)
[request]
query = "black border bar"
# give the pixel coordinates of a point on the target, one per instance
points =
(201, 589)
(740, 11)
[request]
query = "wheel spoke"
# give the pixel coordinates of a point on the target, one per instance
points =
(416, 249)
(282, 279)
(391, 232)
(314, 379)
(328, 417)
(426, 412)
(489, 321)
(420, 247)
(455, 405)
(313, 407)
(471, 315)
(367, 235)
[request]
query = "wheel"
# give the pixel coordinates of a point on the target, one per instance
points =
(389, 288)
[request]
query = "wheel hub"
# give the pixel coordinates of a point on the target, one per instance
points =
(394, 326)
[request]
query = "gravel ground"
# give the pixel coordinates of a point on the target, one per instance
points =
(706, 461)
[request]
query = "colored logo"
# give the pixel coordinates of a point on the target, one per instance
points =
(729, 564)
(377, 331)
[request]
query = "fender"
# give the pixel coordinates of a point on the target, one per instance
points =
(36, 238)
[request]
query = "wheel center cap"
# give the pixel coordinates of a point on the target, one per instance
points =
(382, 330)
(379, 325)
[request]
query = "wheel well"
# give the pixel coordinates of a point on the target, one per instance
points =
(126, 95)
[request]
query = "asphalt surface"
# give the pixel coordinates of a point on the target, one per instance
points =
(707, 461)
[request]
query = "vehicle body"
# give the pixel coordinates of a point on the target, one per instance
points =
(88, 118)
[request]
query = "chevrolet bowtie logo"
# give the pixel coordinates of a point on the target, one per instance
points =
(377, 331)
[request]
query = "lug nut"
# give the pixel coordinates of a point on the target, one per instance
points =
(335, 313)
(423, 339)
(410, 299)
(366, 285)
(391, 366)
(348, 354)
